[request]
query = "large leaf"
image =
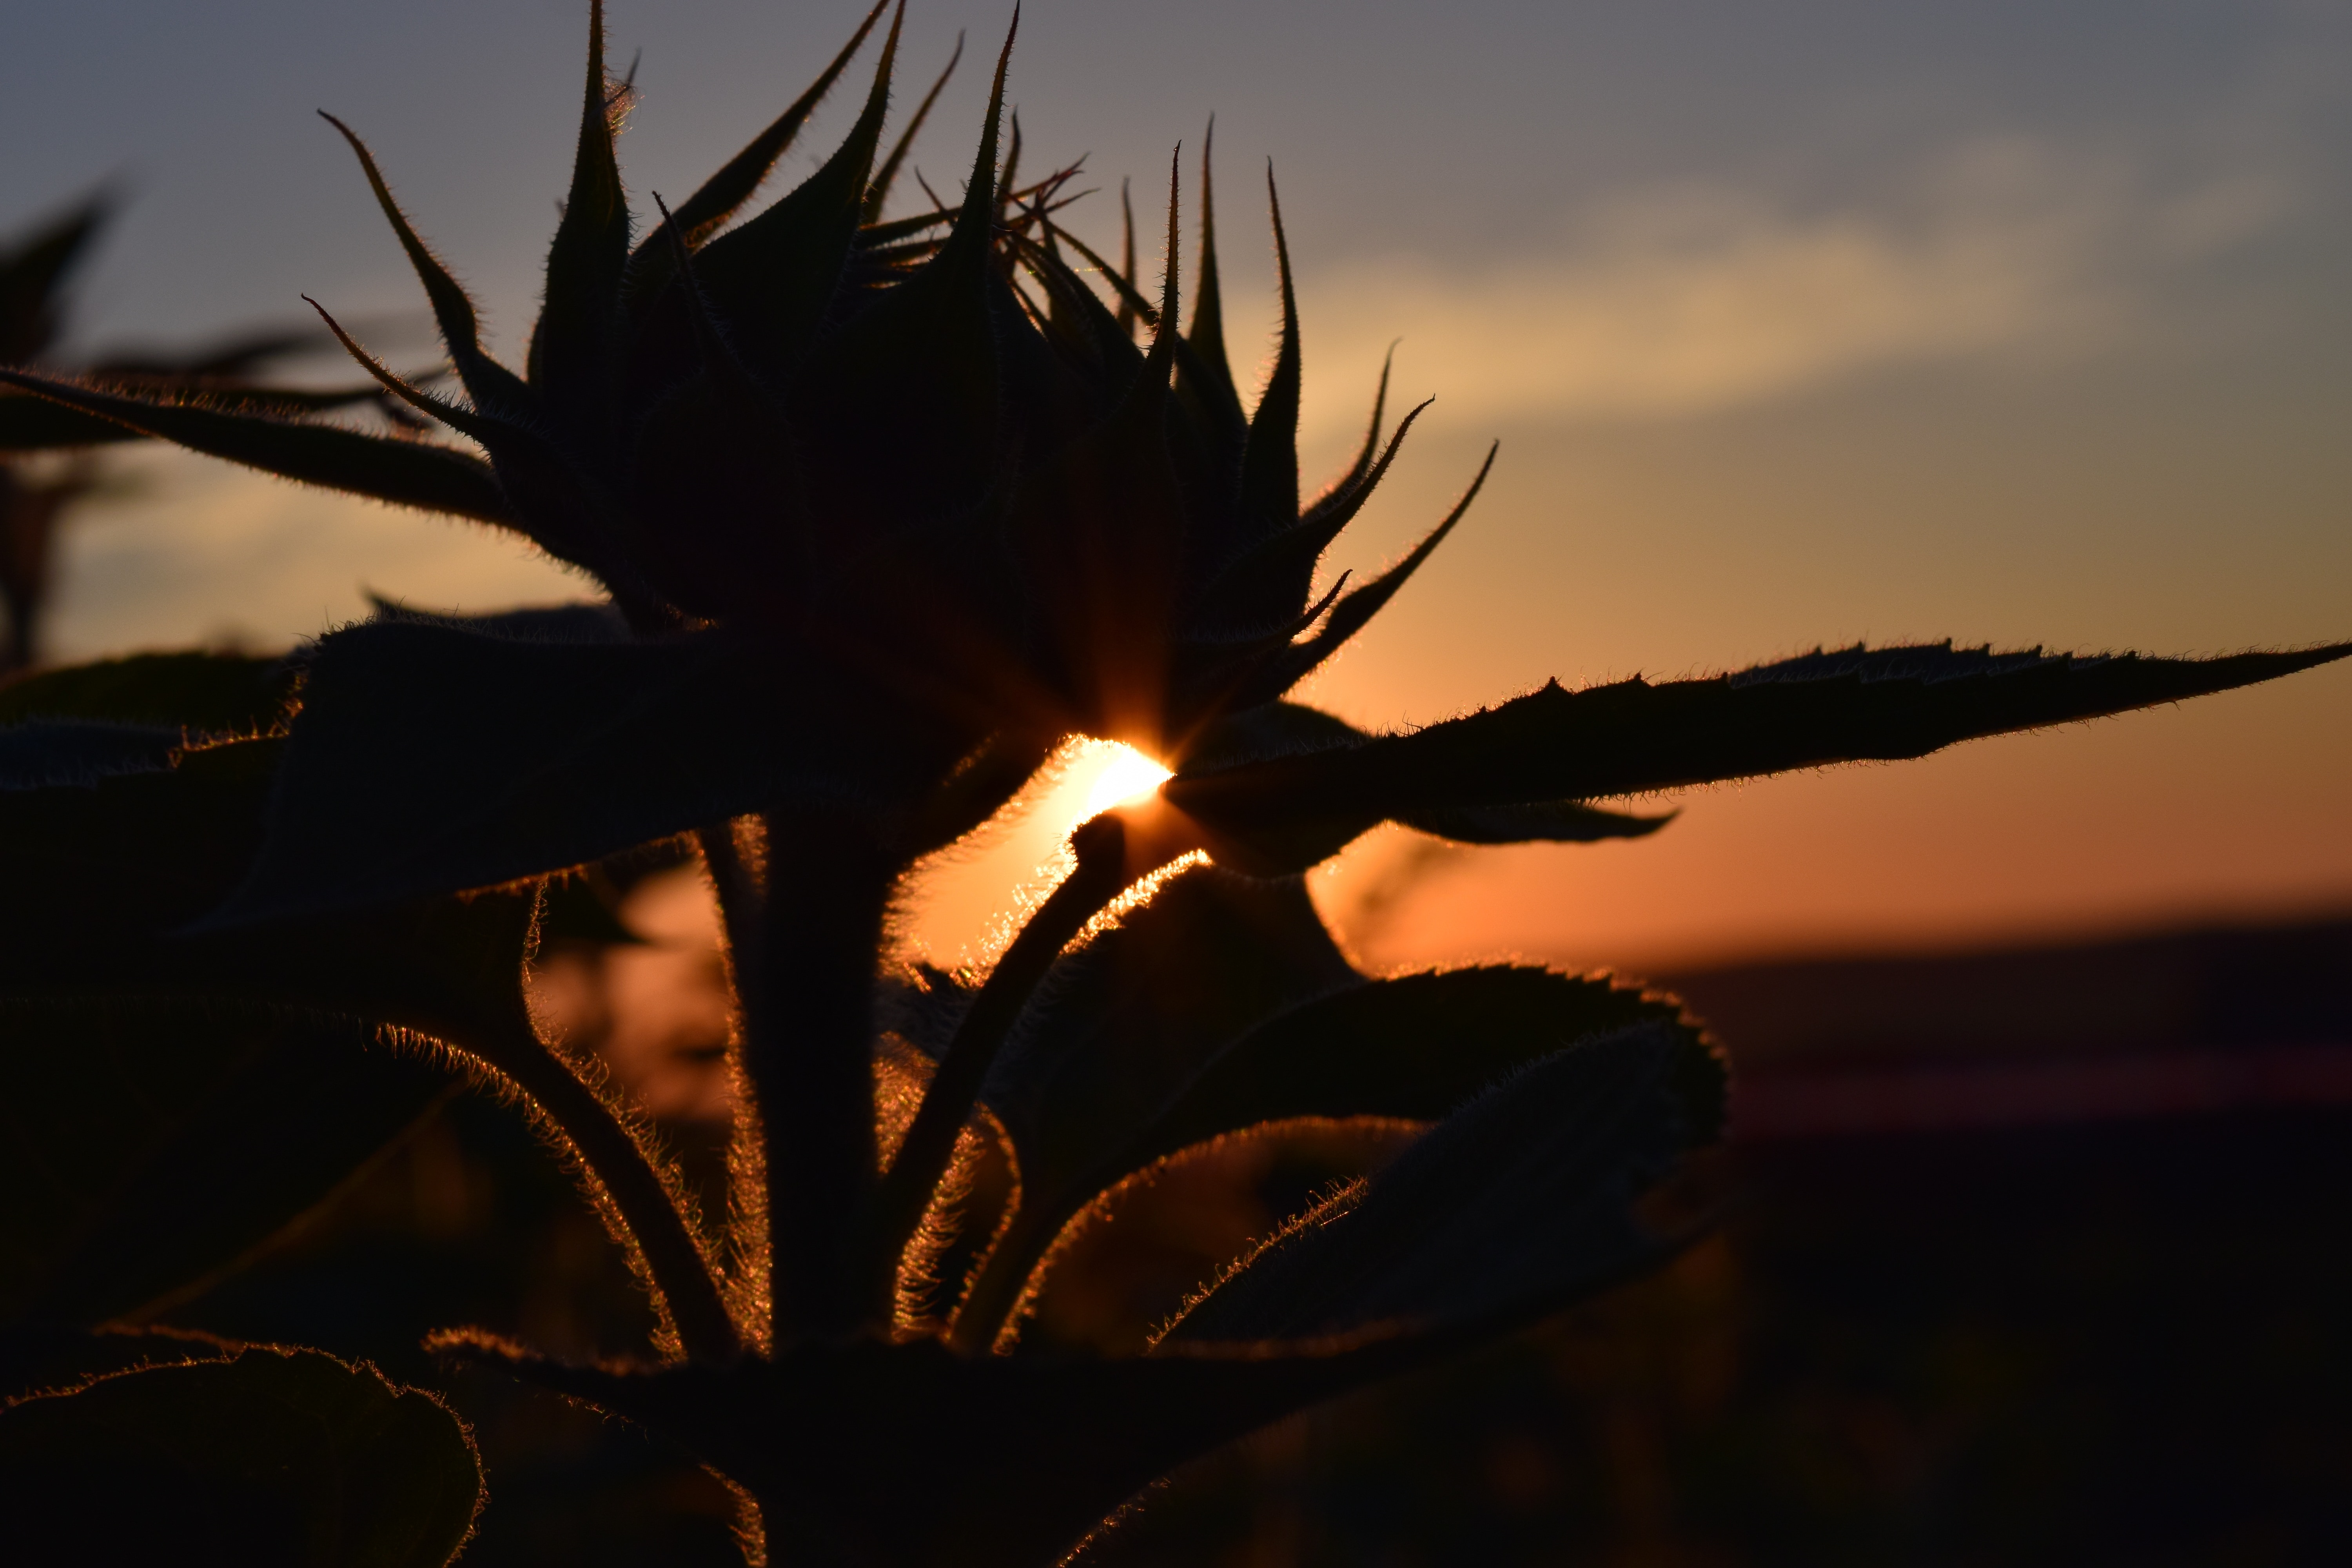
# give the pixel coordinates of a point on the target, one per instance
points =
(1408, 1049)
(1121, 1025)
(1519, 1202)
(272, 1458)
(386, 468)
(210, 693)
(1118, 1028)
(149, 1146)
(430, 758)
(1021, 1457)
(47, 1358)
(103, 880)
(1414, 1049)
(1276, 729)
(174, 1101)
(88, 871)
(1287, 812)
(85, 722)
(78, 752)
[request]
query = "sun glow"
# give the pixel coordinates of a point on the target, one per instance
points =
(956, 908)
(1123, 775)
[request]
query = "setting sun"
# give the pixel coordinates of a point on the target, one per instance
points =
(1122, 774)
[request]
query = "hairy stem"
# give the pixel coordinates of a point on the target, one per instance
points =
(924, 1154)
(808, 1055)
(979, 1321)
(737, 881)
(673, 1257)
(739, 898)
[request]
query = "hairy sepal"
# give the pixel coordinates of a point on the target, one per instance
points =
(1269, 489)
(573, 349)
(385, 468)
(773, 279)
(904, 397)
(720, 197)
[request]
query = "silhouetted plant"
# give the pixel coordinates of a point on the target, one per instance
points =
(34, 274)
(887, 508)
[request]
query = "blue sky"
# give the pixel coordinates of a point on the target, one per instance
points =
(1797, 322)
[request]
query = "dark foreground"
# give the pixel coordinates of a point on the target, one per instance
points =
(2030, 1258)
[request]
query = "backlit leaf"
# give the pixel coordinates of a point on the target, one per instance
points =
(1517, 1202)
(1411, 1048)
(79, 751)
(1118, 1028)
(1286, 813)
(45, 1359)
(1056, 1446)
(151, 1145)
(209, 693)
(176, 1100)
(272, 1459)
(428, 758)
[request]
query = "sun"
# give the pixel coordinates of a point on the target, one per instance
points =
(1122, 774)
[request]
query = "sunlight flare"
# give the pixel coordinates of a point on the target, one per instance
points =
(1121, 776)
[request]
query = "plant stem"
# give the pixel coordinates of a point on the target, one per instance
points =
(739, 901)
(808, 1055)
(674, 1259)
(923, 1155)
(979, 1321)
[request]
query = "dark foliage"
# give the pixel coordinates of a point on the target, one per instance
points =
(885, 509)
(34, 276)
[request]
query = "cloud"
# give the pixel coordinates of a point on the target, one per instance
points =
(1682, 301)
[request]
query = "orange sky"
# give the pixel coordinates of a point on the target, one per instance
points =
(2005, 323)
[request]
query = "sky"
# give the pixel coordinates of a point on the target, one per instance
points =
(1798, 324)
